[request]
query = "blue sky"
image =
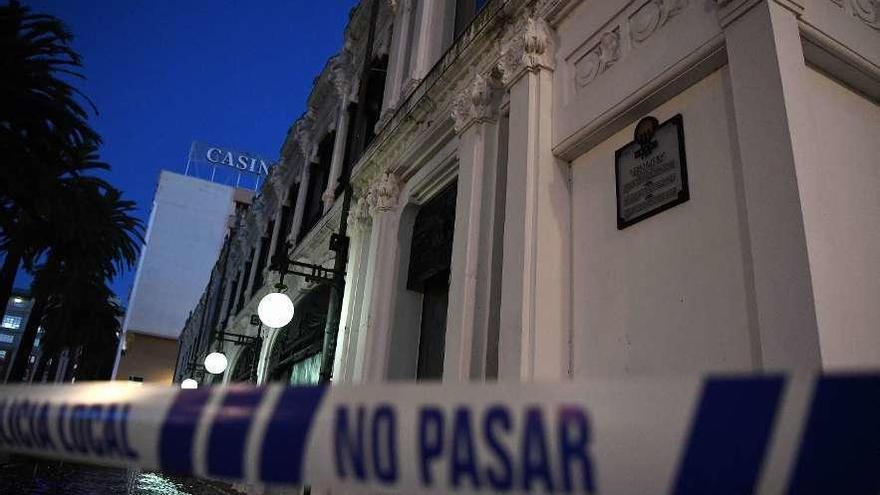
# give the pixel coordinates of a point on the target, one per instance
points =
(164, 73)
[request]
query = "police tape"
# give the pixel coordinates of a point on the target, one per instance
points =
(747, 434)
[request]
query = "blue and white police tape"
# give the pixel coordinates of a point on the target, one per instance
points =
(721, 435)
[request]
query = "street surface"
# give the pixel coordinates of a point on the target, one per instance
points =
(24, 476)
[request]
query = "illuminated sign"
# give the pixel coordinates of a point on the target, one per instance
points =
(237, 160)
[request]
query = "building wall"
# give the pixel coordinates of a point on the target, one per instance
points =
(187, 225)
(148, 357)
(668, 294)
(18, 308)
(841, 212)
(771, 264)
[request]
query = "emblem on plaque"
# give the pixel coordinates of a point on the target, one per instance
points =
(651, 171)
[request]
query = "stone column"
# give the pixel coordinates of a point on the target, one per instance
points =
(302, 192)
(355, 295)
(768, 82)
(468, 316)
(342, 87)
(434, 21)
(536, 289)
(397, 60)
(383, 272)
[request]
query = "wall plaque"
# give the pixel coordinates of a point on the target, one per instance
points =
(651, 171)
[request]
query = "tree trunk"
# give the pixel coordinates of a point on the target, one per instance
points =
(7, 273)
(26, 344)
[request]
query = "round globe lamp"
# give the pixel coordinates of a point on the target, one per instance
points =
(275, 310)
(215, 363)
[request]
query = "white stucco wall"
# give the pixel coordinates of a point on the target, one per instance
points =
(840, 192)
(184, 237)
(669, 293)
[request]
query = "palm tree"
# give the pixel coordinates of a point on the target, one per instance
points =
(41, 116)
(96, 236)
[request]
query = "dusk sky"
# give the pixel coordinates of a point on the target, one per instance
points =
(165, 73)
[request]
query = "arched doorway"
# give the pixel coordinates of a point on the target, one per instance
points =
(296, 353)
(245, 369)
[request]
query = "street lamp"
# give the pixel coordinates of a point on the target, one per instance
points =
(275, 310)
(216, 362)
(189, 384)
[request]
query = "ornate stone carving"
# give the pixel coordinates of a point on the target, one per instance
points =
(530, 48)
(652, 16)
(359, 214)
(609, 49)
(385, 192)
(476, 104)
(342, 76)
(303, 134)
(537, 44)
(867, 11)
(599, 59)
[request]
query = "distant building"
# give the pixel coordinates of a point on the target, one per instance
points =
(15, 318)
(188, 224)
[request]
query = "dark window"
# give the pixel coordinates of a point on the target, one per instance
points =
(432, 338)
(318, 176)
(231, 302)
(242, 295)
(431, 251)
(347, 162)
(465, 11)
(372, 91)
(264, 256)
(283, 230)
(430, 257)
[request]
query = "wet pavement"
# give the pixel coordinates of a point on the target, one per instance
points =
(23, 476)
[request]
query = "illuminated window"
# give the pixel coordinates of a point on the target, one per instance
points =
(6, 338)
(2, 355)
(11, 322)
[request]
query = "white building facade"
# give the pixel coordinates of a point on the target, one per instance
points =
(189, 221)
(484, 239)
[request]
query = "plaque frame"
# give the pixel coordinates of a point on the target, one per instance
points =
(683, 195)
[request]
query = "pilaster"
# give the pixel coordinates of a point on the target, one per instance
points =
(536, 289)
(477, 200)
(774, 136)
(338, 155)
(302, 192)
(383, 276)
(356, 295)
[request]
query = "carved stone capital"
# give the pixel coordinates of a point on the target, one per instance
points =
(478, 103)
(384, 193)
(537, 44)
(359, 214)
(529, 49)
